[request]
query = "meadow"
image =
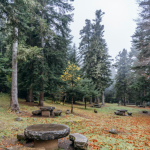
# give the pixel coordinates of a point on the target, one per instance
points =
(133, 131)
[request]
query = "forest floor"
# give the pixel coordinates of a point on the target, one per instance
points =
(133, 131)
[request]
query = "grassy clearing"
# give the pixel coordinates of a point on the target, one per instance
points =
(134, 131)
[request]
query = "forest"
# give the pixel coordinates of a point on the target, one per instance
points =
(57, 95)
(39, 60)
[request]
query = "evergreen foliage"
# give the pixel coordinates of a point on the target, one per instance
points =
(43, 37)
(141, 47)
(141, 37)
(96, 63)
(35, 38)
(121, 77)
(4, 72)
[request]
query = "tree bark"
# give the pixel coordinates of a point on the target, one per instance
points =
(144, 98)
(14, 89)
(30, 96)
(103, 98)
(64, 99)
(41, 98)
(97, 100)
(42, 88)
(72, 105)
(85, 102)
(90, 100)
(42, 73)
(124, 100)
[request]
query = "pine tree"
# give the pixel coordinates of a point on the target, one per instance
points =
(4, 71)
(96, 62)
(87, 89)
(56, 30)
(73, 55)
(141, 44)
(121, 77)
(141, 37)
(84, 45)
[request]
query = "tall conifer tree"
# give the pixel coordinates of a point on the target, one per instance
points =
(96, 62)
(121, 77)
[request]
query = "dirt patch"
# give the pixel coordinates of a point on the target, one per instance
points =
(28, 114)
(79, 104)
(40, 116)
(29, 103)
(24, 113)
(63, 143)
(84, 116)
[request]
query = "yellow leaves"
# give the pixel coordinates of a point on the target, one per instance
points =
(78, 78)
(65, 73)
(70, 74)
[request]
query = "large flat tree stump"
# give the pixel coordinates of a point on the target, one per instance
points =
(46, 135)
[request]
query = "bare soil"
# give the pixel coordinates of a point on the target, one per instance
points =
(63, 144)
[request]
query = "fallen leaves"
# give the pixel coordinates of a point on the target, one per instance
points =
(134, 132)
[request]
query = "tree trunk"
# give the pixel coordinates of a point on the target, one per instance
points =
(90, 100)
(64, 99)
(42, 73)
(97, 100)
(85, 102)
(144, 98)
(14, 90)
(124, 100)
(41, 99)
(30, 96)
(103, 98)
(72, 105)
(140, 97)
(41, 92)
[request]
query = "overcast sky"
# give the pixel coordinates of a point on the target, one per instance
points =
(118, 21)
